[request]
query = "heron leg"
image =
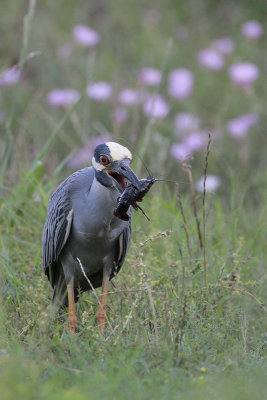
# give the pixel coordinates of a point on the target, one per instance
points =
(72, 307)
(101, 312)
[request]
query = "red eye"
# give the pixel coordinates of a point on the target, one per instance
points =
(104, 160)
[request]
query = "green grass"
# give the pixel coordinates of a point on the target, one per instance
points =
(218, 326)
(181, 326)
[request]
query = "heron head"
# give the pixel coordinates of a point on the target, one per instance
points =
(114, 159)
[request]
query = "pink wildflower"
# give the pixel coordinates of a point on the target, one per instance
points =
(156, 107)
(129, 97)
(211, 185)
(180, 83)
(62, 97)
(252, 29)
(211, 59)
(244, 74)
(9, 77)
(224, 45)
(239, 127)
(185, 122)
(100, 91)
(150, 76)
(85, 36)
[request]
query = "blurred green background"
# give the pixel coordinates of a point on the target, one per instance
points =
(208, 336)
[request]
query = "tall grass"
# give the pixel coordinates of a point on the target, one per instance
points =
(165, 321)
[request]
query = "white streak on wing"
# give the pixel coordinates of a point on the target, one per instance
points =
(120, 246)
(69, 219)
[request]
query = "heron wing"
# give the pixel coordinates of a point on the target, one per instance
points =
(123, 246)
(59, 217)
(57, 225)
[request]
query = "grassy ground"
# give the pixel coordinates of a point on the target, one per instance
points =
(172, 332)
(183, 322)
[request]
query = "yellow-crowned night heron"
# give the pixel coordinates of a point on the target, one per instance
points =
(81, 235)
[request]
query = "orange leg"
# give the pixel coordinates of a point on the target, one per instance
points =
(72, 307)
(101, 311)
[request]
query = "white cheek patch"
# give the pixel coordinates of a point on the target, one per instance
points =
(118, 152)
(97, 166)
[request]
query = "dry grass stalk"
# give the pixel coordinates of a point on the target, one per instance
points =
(183, 266)
(151, 301)
(204, 208)
(185, 226)
(194, 203)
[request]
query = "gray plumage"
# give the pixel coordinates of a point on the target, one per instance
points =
(80, 223)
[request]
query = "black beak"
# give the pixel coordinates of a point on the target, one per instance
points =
(123, 168)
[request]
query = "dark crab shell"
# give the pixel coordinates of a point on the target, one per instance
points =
(130, 196)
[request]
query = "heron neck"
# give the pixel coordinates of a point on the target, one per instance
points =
(103, 178)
